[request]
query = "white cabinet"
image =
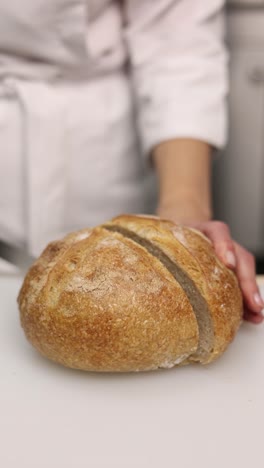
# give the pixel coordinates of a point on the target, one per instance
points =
(239, 171)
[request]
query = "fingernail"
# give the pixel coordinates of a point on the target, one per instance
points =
(258, 300)
(231, 259)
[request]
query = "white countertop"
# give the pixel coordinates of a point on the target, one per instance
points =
(202, 417)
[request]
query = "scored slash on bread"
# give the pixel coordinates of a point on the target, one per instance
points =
(197, 301)
(211, 288)
(137, 293)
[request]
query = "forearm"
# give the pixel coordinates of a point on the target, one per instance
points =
(184, 171)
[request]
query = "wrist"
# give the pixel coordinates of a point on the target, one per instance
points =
(184, 210)
(184, 171)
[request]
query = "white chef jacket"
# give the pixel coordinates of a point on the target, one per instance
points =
(87, 89)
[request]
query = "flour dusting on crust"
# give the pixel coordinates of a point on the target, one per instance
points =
(169, 363)
(82, 235)
(179, 234)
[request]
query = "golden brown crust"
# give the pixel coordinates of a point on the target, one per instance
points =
(195, 254)
(157, 243)
(107, 305)
(224, 296)
(98, 301)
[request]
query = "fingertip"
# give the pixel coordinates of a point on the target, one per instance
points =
(255, 302)
(251, 294)
(230, 259)
(258, 300)
(253, 318)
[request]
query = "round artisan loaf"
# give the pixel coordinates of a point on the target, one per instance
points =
(137, 293)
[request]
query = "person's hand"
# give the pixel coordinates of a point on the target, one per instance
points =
(235, 257)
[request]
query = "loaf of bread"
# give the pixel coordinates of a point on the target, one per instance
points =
(137, 293)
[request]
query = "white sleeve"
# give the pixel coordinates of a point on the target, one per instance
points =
(179, 69)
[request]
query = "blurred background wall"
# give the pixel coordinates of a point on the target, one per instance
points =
(238, 173)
